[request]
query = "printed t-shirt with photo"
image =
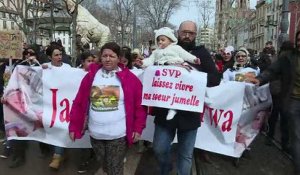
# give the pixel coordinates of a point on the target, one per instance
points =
(107, 111)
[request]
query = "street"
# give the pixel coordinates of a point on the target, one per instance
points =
(260, 160)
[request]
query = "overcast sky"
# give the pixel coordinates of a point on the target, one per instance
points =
(186, 12)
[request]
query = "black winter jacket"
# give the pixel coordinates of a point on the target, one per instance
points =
(186, 120)
(285, 68)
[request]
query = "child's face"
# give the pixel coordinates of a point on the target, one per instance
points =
(124, 61)
(163, 41)
(87, 62)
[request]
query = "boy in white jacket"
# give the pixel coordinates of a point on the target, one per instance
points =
(168, 53)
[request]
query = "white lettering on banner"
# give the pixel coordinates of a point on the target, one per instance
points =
(39, 102)
(174, 87)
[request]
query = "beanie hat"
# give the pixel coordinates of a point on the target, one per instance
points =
(166, 31)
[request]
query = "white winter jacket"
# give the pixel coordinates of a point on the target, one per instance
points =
(173, 54)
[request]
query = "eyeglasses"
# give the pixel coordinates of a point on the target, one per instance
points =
(184, 32)
(241, 56)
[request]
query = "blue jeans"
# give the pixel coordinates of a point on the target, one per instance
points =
(294, 113)
(59, 150)
(163, 137)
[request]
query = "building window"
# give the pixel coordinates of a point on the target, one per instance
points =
(3, 15)
(12, 25)
(4, 25)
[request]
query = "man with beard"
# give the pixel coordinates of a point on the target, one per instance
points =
(288, 68)
(266, 57)
(186, 123)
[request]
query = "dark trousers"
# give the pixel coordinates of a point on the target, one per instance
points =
(45, 148)
(86, 155)
(19, 148)
(2, 127)
(294, 113)
(284, 127)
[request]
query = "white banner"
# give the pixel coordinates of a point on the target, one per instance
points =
(231, 119)
(174, 87)
(38, 103)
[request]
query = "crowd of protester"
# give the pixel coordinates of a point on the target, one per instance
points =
(112, 65)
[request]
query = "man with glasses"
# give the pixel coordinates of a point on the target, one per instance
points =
(288, 68)
(186, 123)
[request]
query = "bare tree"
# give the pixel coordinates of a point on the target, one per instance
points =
(119, 16)
(72, 7)
(91, 5)
(18, 10)
(157, 13)
(101, 10)
(25, 13)
(122, 12)
(116, 14)
(36, 11)
(206, 12)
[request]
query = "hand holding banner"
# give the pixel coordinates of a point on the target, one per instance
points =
(39, 101)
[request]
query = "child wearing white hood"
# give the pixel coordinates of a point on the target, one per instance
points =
(168, 53)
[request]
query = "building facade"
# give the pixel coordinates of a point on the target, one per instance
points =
(232, 19)
(8, 16)
(206, 37)
(259, 35)
(294, 8)
(65, 38)
(221, 17)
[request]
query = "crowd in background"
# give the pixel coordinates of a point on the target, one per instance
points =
(221, 65)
